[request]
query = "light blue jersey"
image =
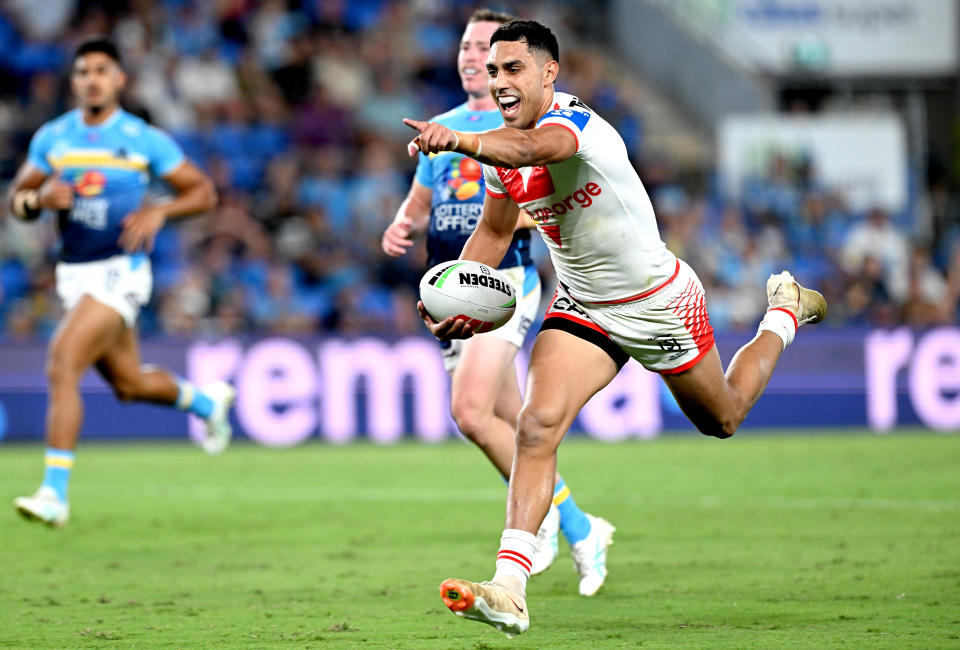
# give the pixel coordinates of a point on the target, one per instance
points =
(109, 167)
(458, 193)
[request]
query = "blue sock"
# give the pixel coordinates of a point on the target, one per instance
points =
(58, 463)
(573, 522)
(193, 400)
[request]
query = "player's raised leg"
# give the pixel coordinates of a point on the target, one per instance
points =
(716, 403)
(565, 371)
(121, 367)
(83, 336)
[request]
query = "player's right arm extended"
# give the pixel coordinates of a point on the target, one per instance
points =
(32, 190)
(494, 232)
(411, 220)
(505, 148)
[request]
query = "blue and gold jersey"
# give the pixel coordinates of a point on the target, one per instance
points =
(109, 166)
(458, 193)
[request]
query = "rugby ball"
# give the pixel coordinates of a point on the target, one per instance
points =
(469, 291)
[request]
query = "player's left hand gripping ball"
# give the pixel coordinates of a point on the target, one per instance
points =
(467, 291)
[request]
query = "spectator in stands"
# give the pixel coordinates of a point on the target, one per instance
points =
(876, 238)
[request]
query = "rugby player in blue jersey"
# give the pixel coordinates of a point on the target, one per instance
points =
(91, 166)
(446, 201)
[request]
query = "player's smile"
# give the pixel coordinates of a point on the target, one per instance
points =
(509, 105)
(470, 71)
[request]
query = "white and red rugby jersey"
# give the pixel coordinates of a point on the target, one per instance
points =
(592, 211)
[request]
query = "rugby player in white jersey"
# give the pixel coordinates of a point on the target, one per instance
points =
(91, 166)
(445, 201)
(621, 293)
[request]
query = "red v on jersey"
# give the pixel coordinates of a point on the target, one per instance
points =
(527, 183)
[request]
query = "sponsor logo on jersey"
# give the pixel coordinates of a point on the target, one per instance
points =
(464, 179)
(457, 217)
(91, 212)
(90, 183)
(583, 197)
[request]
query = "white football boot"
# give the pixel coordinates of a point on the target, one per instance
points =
(219, 430)
(546, 550)
(487, 602)
(44, 506)
(590, 555)
(784, 292)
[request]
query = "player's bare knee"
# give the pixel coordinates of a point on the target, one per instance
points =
(470, 418)
(538, 430)
(719, 427)
(60, 371)
(472, 424)
(124, 389)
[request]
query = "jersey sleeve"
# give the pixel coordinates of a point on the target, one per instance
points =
(39, 148)
(491, 180)
(424, 173)
(165, 154)
(572, 119)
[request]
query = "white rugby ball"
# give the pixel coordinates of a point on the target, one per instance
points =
(468, 291)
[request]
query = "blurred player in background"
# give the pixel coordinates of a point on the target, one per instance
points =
(446, 200)
(621, 293)
(92, 167)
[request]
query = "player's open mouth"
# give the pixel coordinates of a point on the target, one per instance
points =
(509, 104)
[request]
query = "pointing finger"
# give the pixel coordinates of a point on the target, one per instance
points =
(415, 124)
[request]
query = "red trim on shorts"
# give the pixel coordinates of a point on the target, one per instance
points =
(574, 133)
(496, 195)
(787, 311)
(645, 294)
(691, 306)
(579, 321)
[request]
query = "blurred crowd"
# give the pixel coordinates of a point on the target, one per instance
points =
(294, 108)
(876, 268)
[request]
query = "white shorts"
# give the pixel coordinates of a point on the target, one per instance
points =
(527, 282)
(123, 282)
(666, 329)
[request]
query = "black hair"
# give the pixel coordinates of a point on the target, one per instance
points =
(98, 43)
(538, 37)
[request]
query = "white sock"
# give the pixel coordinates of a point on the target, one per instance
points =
(515, 556)
(781, 322)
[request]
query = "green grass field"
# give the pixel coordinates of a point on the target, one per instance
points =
(765, 541)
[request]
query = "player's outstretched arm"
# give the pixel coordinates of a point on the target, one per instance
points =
(507, 148)
(194, 193)
(410, 221)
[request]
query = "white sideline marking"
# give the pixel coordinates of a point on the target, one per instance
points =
(372, 494)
